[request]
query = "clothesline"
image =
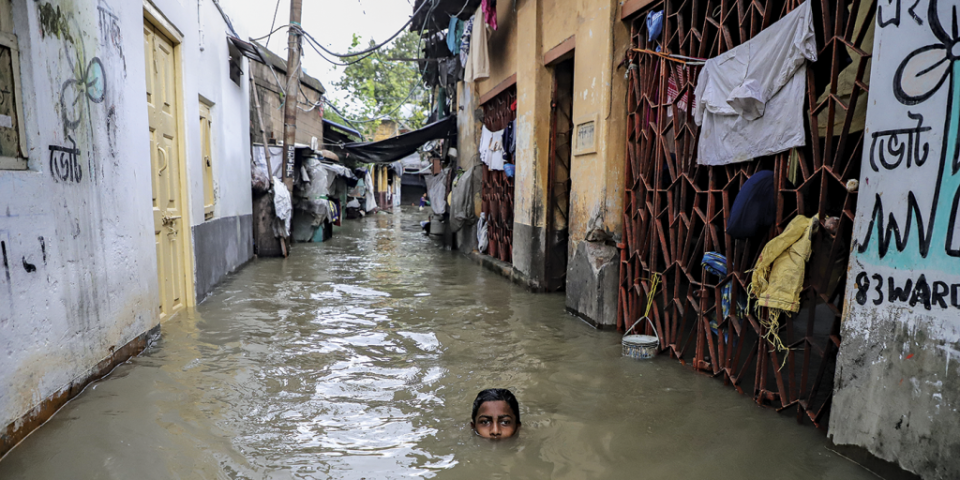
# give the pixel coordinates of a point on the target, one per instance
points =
(688, 61)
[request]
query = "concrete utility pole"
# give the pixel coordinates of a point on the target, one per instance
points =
(293, 87)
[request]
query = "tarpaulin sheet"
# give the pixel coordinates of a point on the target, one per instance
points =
(462, 208)
(437, 190)
(393, 149)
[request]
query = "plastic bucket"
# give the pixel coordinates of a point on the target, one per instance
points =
(641, 347)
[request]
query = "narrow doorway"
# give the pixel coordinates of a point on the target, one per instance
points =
(558, 187)
(166, 171)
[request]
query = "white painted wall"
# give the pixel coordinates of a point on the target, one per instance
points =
(94, 287)
(231, 117)
(90, 286)
(898, 373)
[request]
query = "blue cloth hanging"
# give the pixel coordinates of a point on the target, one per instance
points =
(654, 25)
(716, 264)
(454, 35)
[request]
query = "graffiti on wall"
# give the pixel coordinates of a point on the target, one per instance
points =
(889, 14)
(26, 261)
(64, 163)
(111, 35)
(83, 78)
(910, 188)
(21, 257)
(923, 83)
(76, 94)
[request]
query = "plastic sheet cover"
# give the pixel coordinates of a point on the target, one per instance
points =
(393, 149)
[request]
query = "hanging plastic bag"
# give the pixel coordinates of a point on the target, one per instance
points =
(482, 233)
(284, 207)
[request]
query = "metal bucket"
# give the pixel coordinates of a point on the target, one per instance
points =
(641, 347)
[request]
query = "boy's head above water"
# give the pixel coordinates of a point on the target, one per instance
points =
(496, 414)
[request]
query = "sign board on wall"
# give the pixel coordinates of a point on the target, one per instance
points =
(585, 135)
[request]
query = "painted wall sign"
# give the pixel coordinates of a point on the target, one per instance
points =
(903, 284)
(907, 213)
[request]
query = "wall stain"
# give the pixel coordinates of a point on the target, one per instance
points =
(29, 267)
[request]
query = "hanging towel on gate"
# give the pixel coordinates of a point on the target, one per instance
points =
(491, 148)
(749, 101)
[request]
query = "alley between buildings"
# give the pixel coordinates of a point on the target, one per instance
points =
(360, 358)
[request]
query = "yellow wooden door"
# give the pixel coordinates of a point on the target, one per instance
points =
(206, 124)
(165, 162)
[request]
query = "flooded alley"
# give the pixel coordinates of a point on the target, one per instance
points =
(360, 357)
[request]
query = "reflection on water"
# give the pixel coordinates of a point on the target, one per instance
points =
(360, 358)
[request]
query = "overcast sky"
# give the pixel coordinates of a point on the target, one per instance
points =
(331, 22)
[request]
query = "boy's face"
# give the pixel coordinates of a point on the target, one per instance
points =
(495, 420)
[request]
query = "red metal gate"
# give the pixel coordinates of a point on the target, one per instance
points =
(676, 210)
(497, 193)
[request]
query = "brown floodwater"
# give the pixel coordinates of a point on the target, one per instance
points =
(360, 358)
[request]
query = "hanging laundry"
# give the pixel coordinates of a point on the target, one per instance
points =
(716, 264)
(489, 8)
(654, 25)
(449, 69)
(478, 61)
(454, 34)
(755, 207)
(749, 101)
(465, 41)
(510, 141)
(491, 148)
(778, 276)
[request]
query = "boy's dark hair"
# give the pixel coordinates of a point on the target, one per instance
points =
(493, 395)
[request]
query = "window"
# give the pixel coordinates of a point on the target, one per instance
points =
(12, 137)
(236, 63)
(206, 127)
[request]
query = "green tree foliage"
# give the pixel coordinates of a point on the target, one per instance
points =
(378, 87)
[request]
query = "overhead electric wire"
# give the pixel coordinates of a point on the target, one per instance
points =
(281, 27)
(364, 55)
(373, 48)
(434, 4)
(273, 23)
(314, 43)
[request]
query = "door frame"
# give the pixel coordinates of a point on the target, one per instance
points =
(155, 18)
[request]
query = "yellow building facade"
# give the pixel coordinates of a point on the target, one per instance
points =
(564, 59)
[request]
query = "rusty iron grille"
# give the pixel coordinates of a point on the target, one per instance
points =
(675, 210)
(497, 192)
